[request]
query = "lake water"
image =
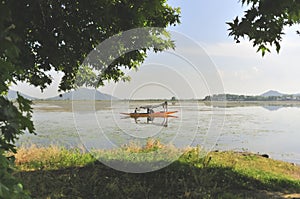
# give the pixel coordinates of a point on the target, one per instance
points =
(261, 129)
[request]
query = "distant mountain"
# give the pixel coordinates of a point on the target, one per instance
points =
(272, 93)
(83, 94)
(12, 95)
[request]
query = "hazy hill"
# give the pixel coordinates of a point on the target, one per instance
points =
(272, 93)
(12, 95)
(83, 94)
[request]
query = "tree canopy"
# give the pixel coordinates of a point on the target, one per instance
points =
(263, 23)
(38, 36)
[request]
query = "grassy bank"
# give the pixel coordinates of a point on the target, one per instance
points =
(56, 172)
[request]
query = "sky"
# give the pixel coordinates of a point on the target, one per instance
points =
(219, 64)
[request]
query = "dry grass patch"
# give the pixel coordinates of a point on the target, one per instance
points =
(52, 157)
(35, 153)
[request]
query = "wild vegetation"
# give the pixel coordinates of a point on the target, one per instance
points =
(56, 172)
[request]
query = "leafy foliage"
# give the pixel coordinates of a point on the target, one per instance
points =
(264, 21)
(14, 121)
(59, 34)
(41, 36)
(9, 187)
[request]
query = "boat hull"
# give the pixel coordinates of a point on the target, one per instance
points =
(155, 114)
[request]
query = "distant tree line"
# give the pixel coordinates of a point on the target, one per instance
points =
(232, 97)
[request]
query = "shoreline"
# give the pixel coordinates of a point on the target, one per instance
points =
(52, 172)
(133, 148)
(252, 103)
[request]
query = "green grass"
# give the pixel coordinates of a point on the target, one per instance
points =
(56, 172)
(51, 158)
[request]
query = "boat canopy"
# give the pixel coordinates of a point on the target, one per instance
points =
(154, 106)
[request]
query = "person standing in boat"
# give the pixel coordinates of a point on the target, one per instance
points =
(136, 109)
(165, 106)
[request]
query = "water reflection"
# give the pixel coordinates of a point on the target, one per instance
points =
(150, 120)
(272, 108)
(269, 105)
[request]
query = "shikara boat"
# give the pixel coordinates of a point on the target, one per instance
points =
(155, 114)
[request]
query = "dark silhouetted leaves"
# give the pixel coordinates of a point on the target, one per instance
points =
(264, 21)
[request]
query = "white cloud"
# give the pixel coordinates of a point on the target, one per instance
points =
(289, 48)
(247, 72)
(230, 49)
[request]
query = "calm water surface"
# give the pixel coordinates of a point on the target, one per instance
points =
(271, 129)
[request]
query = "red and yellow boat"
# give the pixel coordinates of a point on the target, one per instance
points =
(155, 114)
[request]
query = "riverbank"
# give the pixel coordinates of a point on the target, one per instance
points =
(55, 172)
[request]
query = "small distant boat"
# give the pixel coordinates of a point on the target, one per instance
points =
(155, 114)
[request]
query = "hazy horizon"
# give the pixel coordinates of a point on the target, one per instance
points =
(166, 98)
